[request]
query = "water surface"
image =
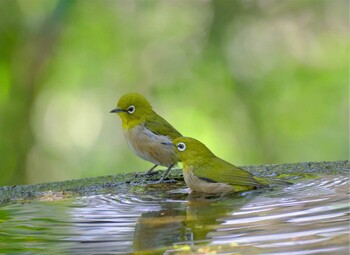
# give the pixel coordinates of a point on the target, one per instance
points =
(308, 217)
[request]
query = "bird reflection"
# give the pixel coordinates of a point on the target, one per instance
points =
(184, 224)
(159, 229)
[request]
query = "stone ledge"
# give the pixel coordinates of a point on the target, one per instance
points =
(129, 182)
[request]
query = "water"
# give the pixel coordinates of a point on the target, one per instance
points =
(309, 217)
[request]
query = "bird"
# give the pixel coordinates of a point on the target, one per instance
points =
(145, 131)
(206, 173)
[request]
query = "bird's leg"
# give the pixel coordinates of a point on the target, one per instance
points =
(150, 170)
(166, 173)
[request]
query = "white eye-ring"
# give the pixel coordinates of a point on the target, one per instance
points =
(131, 109)
(181, 146)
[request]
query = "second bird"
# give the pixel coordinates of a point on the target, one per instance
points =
(204, 172)
(146, 131)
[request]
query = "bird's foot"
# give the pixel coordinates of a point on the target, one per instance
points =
(146, 174)
(161, 181)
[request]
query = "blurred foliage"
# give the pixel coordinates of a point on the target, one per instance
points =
(258, 81)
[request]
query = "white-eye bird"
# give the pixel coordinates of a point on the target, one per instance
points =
(204, 172)
(146, 131)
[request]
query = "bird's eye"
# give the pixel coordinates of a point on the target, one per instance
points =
(131, 109)
(181, 146)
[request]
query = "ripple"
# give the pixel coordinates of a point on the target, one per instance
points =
(309, 217)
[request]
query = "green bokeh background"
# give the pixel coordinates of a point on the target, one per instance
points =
(258, 81)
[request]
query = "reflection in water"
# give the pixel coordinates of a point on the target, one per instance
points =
(158, 229)
(309, 217)
(187, 224)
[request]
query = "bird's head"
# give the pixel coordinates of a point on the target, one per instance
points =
(133, 109)
(191, 150)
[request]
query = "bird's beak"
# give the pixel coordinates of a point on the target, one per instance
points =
(168, 144)
(117, 110)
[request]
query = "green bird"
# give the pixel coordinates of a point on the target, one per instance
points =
(204, 172)
(145, 131)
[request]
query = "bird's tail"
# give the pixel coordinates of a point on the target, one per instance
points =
(267, 181)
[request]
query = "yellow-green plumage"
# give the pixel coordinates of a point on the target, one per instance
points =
(146, 131)
(205, 172)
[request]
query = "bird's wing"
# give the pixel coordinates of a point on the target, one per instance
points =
(218, 170)
(160, 126)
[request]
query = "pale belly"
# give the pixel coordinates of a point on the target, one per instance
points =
(199, 185)
(148, 146)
